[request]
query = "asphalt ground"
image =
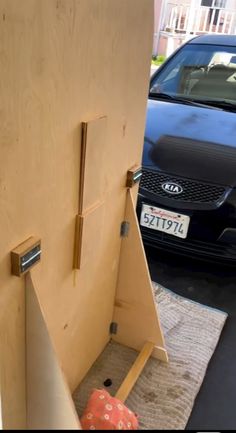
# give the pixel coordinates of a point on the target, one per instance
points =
(215, 286)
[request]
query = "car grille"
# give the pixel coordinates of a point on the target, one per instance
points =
(193, 191)
(189, 246)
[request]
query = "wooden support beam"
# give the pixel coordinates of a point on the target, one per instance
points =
(135, 371)
(134, 293)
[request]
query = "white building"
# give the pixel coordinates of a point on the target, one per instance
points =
(178, 20)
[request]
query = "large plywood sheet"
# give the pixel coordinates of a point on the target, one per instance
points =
(49, 402)
(62, 62)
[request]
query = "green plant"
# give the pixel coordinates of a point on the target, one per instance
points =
(158, 60)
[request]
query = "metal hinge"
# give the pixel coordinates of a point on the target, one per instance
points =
(124, 229)
(113, 328)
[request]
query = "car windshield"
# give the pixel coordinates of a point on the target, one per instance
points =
(199, 72)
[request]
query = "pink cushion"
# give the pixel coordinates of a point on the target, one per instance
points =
(104, 412)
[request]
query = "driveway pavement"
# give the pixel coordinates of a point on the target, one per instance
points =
(211, 285)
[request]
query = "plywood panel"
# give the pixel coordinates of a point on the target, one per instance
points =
(12, 359)
(49, 402)
(135, 312)
(64, 61)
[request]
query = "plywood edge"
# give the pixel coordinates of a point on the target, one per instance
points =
(135, 309)
(160, 353)
(49, 401)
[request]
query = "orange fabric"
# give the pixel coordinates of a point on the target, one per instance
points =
(104, 412)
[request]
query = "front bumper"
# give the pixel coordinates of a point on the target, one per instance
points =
(211, 235)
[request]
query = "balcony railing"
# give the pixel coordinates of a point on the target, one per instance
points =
(184, 19)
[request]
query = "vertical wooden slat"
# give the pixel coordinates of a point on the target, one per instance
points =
(92, 169)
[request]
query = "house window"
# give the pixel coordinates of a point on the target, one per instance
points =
(214, 5)
(220, 3)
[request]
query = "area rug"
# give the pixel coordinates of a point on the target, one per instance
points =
(164, 394)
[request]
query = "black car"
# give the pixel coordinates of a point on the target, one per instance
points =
(187, 195)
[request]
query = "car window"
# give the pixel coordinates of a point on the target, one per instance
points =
(199, 71)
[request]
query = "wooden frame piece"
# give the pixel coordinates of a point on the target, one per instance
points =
(49, 401)
(93, 148)
(134, 294)
(78, 241)
(88, 233)
(135, 371)
(91, 184)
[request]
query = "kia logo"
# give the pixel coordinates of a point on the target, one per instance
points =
(172, 188)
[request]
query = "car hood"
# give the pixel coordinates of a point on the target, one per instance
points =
(189, 141)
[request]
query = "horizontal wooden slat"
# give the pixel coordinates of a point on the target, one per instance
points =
(135, 372)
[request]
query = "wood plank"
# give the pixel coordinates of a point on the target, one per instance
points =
(49, 402)
(77, 242)
(92, 168)
(134, 295)
(135, 371)
(89, 227)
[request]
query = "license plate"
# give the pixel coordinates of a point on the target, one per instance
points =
(164, 221)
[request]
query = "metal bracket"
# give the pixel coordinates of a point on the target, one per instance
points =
(26, 255)
(124, 229)
(133, 176)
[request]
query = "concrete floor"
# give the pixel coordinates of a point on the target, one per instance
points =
(211, 285)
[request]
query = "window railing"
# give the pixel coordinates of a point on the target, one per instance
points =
(184, 19)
